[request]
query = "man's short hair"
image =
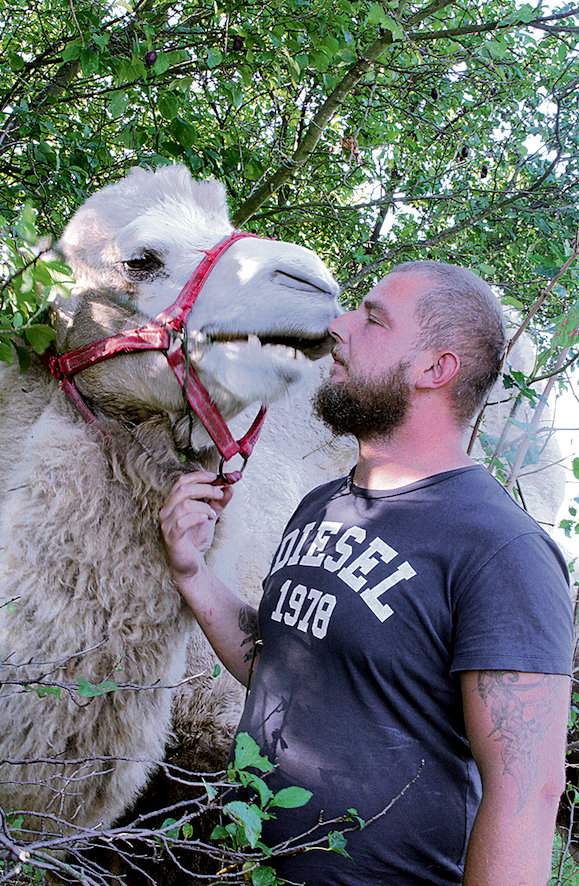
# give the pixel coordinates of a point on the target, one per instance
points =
(459, 311)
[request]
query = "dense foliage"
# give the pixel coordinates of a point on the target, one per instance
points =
(457, 123)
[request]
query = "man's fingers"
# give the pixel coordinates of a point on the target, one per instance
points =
(177, 526)
(192, 491)
(195, 476)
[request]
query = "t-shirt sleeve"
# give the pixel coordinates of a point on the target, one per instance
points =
(515, 614)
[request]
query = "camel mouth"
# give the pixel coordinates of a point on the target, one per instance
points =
(312, 347)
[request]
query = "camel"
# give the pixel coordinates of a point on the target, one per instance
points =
(82, 560)
(81, 556)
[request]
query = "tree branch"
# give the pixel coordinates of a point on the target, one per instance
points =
(321, 119)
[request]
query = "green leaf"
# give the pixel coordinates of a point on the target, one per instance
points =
(236, 96)
(248, 754)
(118, 104)
(576, 468)
(263, 876)
(320, 61)
(89, 61)
(173, 833)
(27, 281)
(392, 25)
(219, 833)
(216, 670)
(496, 49)
(214, 57)
(331, 44)
(42, 274)
(182, 132)
(6, 353)
(72, 50)
(92, 690)
(187, 830)
(40, 336)
(16, 61)
(26, 224)
(376, 14)
(524, 14)
(337, 843)
(162, 63)
(250, 780)
(210, 790)
(247, 815)
(58, 267)
(356, 816)
(168, 106)
(45, 691)
(514, 302)
(291, 798)
(24, 357)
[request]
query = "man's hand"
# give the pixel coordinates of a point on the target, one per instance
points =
(188, 520)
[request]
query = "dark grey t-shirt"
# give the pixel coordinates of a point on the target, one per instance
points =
(374, 602)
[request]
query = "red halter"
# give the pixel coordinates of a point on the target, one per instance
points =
(167, 333)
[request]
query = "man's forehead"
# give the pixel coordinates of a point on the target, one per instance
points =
(399, 288)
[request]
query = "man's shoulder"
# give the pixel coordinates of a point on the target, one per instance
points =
(490, 530)
(482, 505)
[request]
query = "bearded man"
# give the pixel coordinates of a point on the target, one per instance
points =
(414, 637)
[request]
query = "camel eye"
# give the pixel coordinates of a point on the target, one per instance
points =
(146, 265)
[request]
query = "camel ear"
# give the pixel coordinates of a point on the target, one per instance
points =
(211, 196)
(138, 174)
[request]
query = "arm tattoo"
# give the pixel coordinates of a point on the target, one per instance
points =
(518, 710)
(248, 624)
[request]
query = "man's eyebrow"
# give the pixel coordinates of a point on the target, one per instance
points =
(375, 306)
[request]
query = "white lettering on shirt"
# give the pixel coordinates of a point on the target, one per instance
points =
(319, 543)
(308, 608)
(317, 615)
(293, 560)
(284, 550)
(365, 562)
(343, 548)
(371, 596)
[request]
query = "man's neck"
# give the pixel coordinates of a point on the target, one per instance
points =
(407, 457)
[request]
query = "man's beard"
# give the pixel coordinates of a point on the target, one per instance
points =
(365, 408)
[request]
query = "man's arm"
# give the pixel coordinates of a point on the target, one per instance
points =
(516, 724)
(188, 525)
(227, 622)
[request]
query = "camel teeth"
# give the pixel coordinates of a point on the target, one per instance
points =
(254, 340)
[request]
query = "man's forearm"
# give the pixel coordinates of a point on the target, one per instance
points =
(511, 848)
(229, 624)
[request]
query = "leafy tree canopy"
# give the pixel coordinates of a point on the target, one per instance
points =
(454, 122)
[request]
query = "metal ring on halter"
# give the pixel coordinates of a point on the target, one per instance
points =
(222, 460)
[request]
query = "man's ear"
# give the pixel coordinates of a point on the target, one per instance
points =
(439, 370)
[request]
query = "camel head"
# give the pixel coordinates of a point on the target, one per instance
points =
(260, 320)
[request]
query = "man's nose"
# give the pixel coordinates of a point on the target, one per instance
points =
(337, 327)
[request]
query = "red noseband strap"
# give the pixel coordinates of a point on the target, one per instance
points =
(168, 333)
